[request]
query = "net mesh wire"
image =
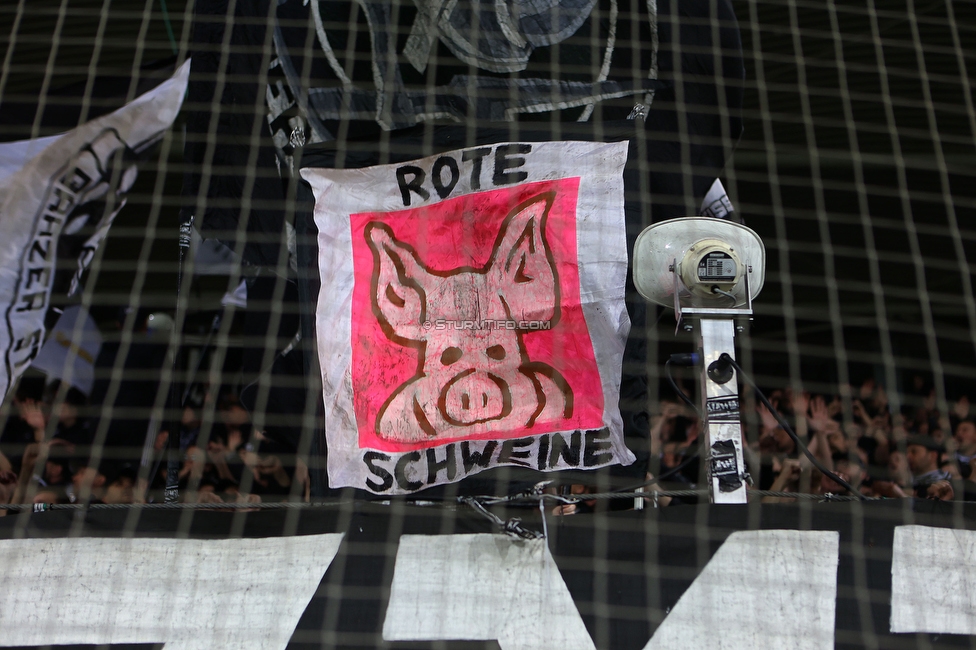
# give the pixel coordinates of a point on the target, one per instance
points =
(855, 166)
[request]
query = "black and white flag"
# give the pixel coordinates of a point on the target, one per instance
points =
(57, 203)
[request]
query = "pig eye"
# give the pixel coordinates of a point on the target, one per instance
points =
(450, 355)
(496, 352)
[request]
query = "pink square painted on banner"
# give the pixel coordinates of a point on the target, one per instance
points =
(467, 323)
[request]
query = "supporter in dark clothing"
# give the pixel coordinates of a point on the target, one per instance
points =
(884, 481)
(87, 483)
(71, 427)
(227, 462)
(851, 470)
(195, 470)
(271, 299)
(190, 425)
(57, 467)
(26, 422)
(121, 487)
(136, 396)
(965, 439)
(229, 438)
(268, 474)
(236, 422)
(929, 480)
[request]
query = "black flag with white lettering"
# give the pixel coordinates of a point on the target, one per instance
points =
(232, 187)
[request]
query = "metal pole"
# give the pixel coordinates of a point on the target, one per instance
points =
(172, 491)
(721, 425)
(154, 425)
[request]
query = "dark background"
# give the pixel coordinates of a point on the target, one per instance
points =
(855, 167)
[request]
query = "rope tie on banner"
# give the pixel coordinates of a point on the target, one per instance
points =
(512, 527)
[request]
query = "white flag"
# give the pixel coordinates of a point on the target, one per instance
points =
(73, 188)
(71, 350)
(716, 203)
(472, 313)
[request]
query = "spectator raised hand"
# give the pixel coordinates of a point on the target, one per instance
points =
(860, 413)
(786, 481)
(769, 421)
(819, 414)
(33, 414)
(880, 401)
(801, 404)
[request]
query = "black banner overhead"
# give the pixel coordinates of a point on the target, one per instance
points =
(396, 64)
(231, 186)
(360, 575)
(351, 84)
(350, 71)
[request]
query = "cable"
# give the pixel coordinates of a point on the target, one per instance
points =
(726, 294)
(687, 400)
(511, 526)
(725, 358)
(691, 359)
(664, 475)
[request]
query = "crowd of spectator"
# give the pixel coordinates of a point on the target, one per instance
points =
(51, 452)
(111, 443)
(59, 445)
(914, 450)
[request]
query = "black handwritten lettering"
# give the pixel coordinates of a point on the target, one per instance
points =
(597, 440)
(370, 458)
(53, 221)
(61, 200)
(400, 471)
(37, 248)
(570, 453)
(475, 156)
(443, 190)
(505, 161)
(415, 184)
(78, 180)
(434, 466)
(471, 458)
(39, 274)
(32, 343)
(32, 301)
(543, 453)
(509, 455)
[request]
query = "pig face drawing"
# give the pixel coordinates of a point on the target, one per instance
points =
(467, 325)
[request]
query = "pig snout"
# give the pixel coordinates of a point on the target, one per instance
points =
(474, 396)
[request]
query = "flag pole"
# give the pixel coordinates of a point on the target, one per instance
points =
(172, 491)
(154, 427)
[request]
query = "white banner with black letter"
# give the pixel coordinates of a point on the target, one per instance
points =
(471, 313)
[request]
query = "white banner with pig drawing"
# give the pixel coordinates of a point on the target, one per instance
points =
(471, 313)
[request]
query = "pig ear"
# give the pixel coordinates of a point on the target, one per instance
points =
(397, 285)
(522, 264)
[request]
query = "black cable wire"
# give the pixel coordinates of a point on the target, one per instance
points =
(664, 475)
(687, 400)
(725, 358)
(680, 466)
